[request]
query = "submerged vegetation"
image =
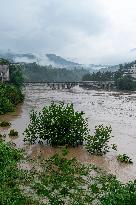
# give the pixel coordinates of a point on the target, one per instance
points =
(98, 144)
(5, 124)
(124, 158)
(57, 124)
(60, 181)
(13, 133)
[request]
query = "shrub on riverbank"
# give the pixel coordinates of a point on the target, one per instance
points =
(10, 96)
(58, 125)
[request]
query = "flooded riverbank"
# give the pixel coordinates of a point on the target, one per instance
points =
(108, 108)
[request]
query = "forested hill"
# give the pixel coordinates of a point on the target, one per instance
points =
(36, 73)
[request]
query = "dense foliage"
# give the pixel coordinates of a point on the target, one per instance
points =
(10, 96)
(64, 181)
(99, 76)
(110, 191)
(37, 73)
(60, 181)
(98, 144)
(11, 177)
(126, 83)
(122, 81)
(13, 133)
(58, 125)
(16, 75)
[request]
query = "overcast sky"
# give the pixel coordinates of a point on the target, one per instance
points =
(88, 31)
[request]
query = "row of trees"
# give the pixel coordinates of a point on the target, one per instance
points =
(99, 76)
(122, 82)
(37, 73)
(10, 92)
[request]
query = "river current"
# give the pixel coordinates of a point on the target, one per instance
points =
(108, 108)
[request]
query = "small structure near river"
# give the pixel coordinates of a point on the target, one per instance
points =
(131, 71)
(4, 73)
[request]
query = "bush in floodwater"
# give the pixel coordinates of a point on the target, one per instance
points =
(9, 97)
(5, 105)
(98, 144)
(13, 133)
(124, 158)
(57, 124)
(5, 124)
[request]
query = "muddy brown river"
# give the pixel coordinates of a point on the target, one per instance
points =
(100, 107)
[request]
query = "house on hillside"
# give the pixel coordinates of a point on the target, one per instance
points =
(4, 73)
(131, 71)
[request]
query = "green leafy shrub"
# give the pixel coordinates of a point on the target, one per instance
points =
(16, 75)
(5, 105)
(13, 133)
(5, 124)
(64, 181)
(58, 125)
(9, 97)
(124, 158)
(98, 144)
(11, 177)
(114, 147)
(14, 94)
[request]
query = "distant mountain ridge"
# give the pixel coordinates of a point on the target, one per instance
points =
(12, 56)
(61, 62)
(54, 61)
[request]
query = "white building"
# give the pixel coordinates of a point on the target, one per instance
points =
(4, 73)
(131, 71)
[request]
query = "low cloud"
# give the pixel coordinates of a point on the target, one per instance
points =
(86, 30)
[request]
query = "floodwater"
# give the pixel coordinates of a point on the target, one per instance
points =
(100, 107)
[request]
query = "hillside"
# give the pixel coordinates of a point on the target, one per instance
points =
(54, 61)
(37, 73)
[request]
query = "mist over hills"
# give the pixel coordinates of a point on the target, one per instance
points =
(54, 61)
(61, 62)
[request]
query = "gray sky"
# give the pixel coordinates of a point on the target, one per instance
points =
(88, 31)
